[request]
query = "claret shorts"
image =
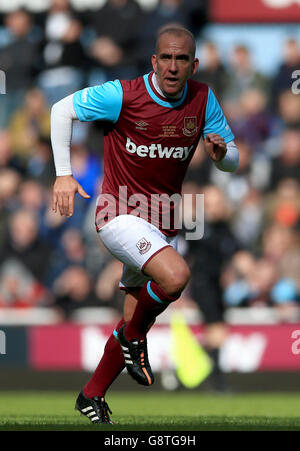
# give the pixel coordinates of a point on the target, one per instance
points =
(134, 241)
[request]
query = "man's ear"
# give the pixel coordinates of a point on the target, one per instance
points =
(154, 63)
(195, 66)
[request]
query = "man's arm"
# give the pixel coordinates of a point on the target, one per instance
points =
(218, 138)
(230, 162)
(65, 186)
(103, 102)
(224, 155)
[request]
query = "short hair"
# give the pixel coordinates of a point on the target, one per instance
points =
(176, 30)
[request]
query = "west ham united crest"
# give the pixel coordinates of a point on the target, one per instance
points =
(143, 246)
(190, 126)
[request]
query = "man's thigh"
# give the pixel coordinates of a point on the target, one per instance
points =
(134, 242)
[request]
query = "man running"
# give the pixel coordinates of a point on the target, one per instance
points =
(152, 127)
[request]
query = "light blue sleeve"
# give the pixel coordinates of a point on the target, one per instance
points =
(103, 102)
(285, 290)
(215, 121)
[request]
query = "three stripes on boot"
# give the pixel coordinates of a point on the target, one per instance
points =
(92, 415)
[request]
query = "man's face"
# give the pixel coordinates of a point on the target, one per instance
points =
(174, 63)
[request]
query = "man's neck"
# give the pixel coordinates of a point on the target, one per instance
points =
(155, 84)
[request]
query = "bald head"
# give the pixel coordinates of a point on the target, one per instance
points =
(174, 61)
(178, 32)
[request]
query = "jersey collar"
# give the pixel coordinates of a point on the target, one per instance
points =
(159, 99)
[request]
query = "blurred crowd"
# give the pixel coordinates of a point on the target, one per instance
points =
(252, 215)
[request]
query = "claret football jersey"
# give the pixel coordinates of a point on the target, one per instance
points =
(148, 144)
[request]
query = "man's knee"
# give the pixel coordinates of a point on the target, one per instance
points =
(170, 271)
(175, 281)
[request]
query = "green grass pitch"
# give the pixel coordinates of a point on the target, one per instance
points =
(154, 411)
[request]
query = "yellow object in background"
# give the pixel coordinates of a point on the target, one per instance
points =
(192, 363)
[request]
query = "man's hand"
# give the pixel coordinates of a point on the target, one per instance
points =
(64, 190)
(215, 146)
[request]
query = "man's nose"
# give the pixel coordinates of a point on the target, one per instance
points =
(173, 65)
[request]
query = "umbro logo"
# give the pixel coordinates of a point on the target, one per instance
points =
(141, 125)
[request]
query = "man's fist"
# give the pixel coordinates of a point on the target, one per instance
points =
(64, 190)
(215, 146)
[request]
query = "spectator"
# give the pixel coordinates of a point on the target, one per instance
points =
(277, 241)
(24, 245)
(52, 227)
(243, 75)
(87, 169)
(9, 185)
(19, 288)
(252, 283)
(212, 70)
(63, 57)
(287, 163)
(235, 279)
(262, 283)
(282, 206)
(74, 290)
(71, 251)
(280, 245)
(282, 79)
(115, 49)
(254, 123)
(191, 14)
(247, 222)
(253, 174)
(286, 293)
(30, 123)
(7, 158)
(262, 279)
(107, 285)
(17, 59)
(289, 109)
(200, 167)
(40, 166)
(32, 197)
